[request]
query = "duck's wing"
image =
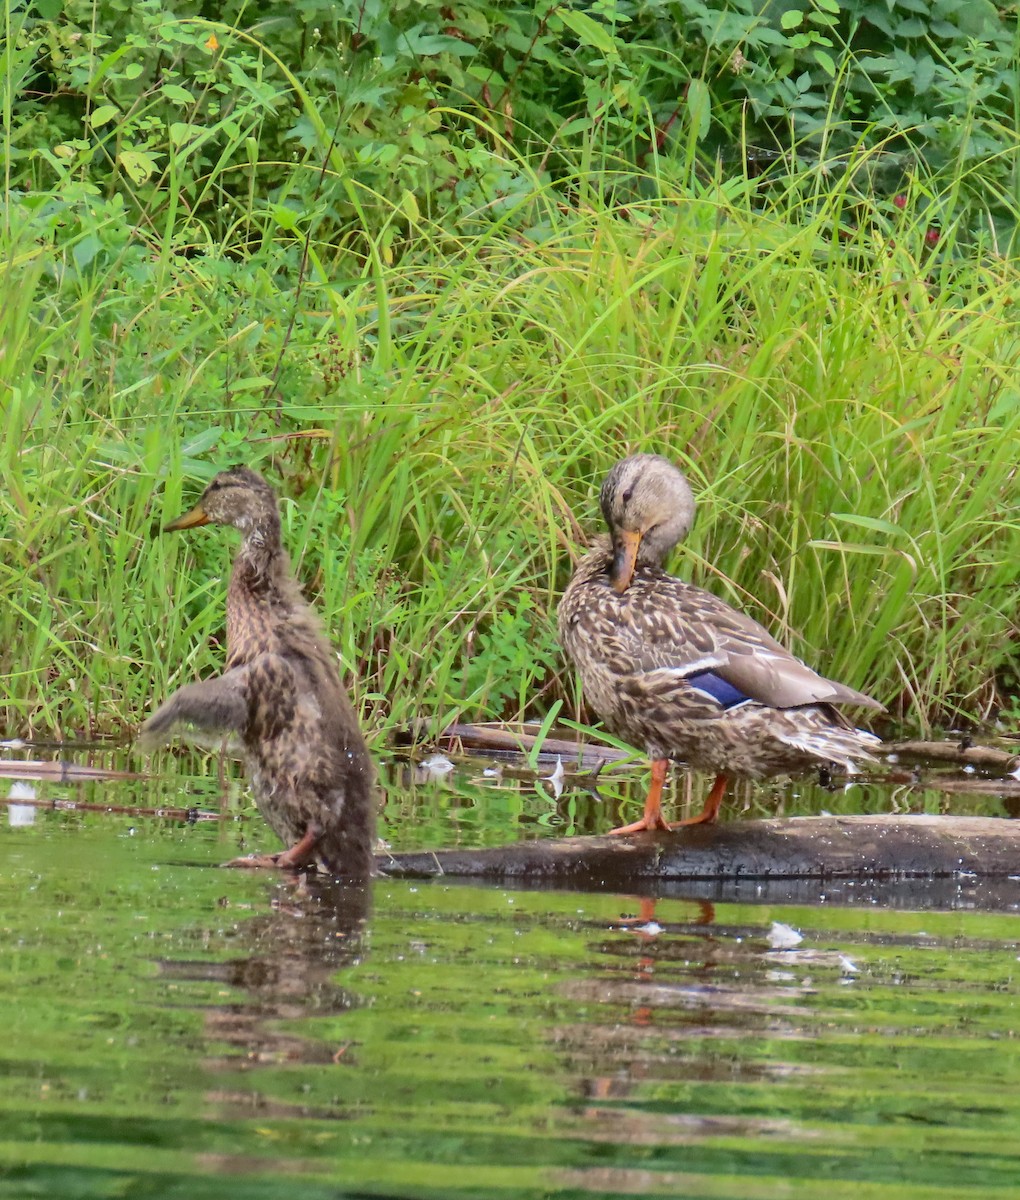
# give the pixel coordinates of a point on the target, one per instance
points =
(666, 629)
(217, 706)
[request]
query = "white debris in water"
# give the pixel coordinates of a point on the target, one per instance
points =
(438, 763)
(556, 778)
(13, 744)
(783, 937)
(848, 966)
(492, 772)
(19, 815)
(558, 774)
(969, 769)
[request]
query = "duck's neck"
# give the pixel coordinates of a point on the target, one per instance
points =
(259, 555)
(258, 595)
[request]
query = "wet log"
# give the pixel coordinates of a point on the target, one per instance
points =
(60, 771)
(519, 740)
(865, 847)
(191, 815)
(986, 757)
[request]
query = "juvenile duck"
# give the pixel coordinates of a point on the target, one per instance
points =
(675, 670)
(281, 694)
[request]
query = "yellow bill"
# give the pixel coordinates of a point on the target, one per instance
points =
(189, 520)
(624, 559)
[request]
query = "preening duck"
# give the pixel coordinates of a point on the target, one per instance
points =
(677, 671)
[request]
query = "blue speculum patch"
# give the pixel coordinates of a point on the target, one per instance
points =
(721, 691)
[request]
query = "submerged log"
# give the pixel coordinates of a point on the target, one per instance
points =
(868, 847)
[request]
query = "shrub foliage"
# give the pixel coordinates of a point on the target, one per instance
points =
(434, 267)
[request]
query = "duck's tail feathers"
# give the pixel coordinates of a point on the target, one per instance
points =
(847, 747)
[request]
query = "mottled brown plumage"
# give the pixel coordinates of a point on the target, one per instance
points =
(280, 693)
(675, 670)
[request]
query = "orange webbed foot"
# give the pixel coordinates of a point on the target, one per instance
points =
(647, 824)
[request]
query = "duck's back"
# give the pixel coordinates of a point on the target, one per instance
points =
(676, 670)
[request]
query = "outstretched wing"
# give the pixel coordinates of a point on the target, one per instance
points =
(217, 706)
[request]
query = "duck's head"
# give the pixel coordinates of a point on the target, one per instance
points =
(648, 506)
(238, 497)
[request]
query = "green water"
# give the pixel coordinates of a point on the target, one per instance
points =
(174, 1030)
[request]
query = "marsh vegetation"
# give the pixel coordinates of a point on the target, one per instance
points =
(433, 273)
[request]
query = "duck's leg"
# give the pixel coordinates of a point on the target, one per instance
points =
(711, 810)
(652, 817)
(301, 854)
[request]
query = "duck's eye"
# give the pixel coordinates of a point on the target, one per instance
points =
(627, 495)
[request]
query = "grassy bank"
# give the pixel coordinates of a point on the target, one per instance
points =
(438, 405)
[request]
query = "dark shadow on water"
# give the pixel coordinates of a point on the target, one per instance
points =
(983, 895)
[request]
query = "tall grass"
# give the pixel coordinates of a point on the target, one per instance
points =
(439, 416)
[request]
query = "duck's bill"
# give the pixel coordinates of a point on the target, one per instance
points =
(189, 520)
(625, 548)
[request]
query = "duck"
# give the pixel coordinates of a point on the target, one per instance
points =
(280, 695)
(676, 671)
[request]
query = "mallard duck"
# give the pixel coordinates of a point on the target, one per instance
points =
(675, 670)
(280, 693)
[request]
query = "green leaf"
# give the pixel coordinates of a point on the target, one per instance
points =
(543, 733)
(699, 105)
(825, 61)
(791, 18)
(251, 383)
(202, 442)
(924, 73)
(980, 19)
(180, 132)
(138, 164)
(590, 32)
(874, 523)
(103, 115)
(409, 203)
(179, 95)
(848, 547)
(286, 218)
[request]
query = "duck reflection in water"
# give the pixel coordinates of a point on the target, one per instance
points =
(316, 928)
